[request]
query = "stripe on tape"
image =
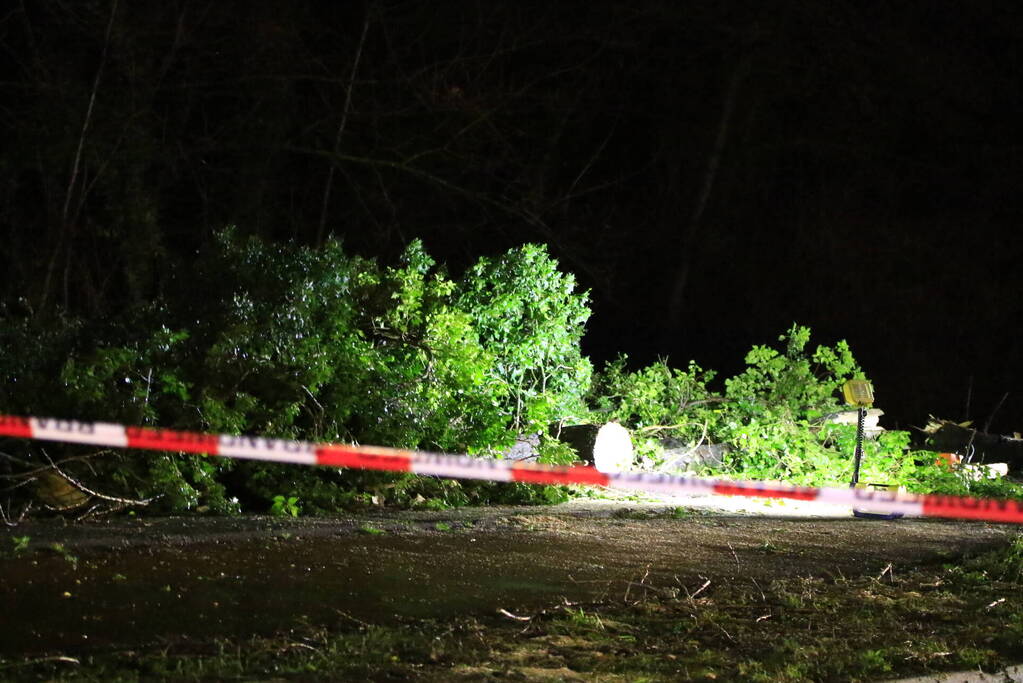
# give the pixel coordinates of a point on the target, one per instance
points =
(273, 450)
(15, 426)
(367, 459)
(171, 440)
(664, 483)
(73, 431)
(465, 467)
(573, 474)
(754, 490)
(957, 507)
(461, 467)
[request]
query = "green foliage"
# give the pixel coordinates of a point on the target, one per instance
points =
(655, 398)
(773, 415)
(770, 413)
(792, 383)
(31, 353)
(527, 313)
(285, 505)
(656, 401)
(291, 342)
(1009, 566)
(922, 474)
(67, 555)
(775, 410)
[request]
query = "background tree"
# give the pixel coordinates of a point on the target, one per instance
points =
(738, 151)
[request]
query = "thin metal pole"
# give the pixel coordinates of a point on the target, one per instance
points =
(860, 419)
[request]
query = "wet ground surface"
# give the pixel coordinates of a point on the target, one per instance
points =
(124, 582)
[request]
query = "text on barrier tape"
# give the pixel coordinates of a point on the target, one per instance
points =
(466, 467)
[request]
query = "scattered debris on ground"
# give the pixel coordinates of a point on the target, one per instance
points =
(586, 591)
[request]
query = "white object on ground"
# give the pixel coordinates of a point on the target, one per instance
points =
(612, 449)
(871, 428)
(994, 470)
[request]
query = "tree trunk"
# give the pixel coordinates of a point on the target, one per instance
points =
(692, 230)
(948, 437)
(607, 447)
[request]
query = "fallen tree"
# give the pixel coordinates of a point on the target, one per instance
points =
(608, 447)
(974, 445)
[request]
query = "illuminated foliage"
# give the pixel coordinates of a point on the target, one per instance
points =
(294, 342)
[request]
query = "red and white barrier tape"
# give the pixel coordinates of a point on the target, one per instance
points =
(466, 467)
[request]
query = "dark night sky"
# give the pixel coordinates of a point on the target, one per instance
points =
(890, 218)
(712, 171)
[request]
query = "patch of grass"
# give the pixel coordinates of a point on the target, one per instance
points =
(579, 619)
(632, 513)
(680, 512)
(20, 543)
(909, 621)
(65, 553)
(370, 530)
(657, 513)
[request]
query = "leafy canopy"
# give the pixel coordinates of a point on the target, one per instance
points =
(286, 341)
(773, 418)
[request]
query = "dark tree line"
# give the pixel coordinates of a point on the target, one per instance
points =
(712, 170)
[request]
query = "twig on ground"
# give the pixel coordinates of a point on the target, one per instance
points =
(348, 616)
(722, 629)
(43, 660)
(630, 584)
(734, 555)
(24, 482)
(700, 590)
(296, 646)
(513, 616)
(35, 469)
(665, 592)
(102, 496)
(8, 519)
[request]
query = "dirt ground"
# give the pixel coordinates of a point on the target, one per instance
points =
(138, 582)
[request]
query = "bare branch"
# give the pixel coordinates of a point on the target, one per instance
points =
(341, 128)
(88, 112)
(76, 165)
